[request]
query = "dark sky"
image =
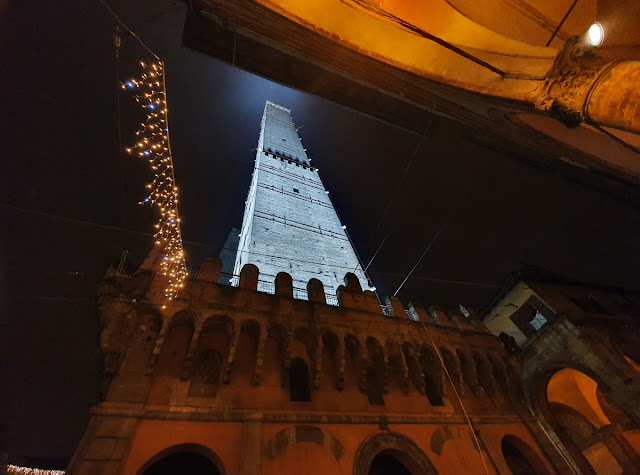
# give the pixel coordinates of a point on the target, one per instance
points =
(69, 201)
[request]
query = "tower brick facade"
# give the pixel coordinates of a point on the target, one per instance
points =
(290, 224)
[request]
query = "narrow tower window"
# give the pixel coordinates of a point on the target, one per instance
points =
(299, 381)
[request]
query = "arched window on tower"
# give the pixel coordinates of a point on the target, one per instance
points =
(299, 381)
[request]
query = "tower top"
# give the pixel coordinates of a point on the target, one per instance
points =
(269, 103)
(279, 135)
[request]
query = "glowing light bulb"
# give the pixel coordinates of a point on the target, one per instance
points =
(595, 34)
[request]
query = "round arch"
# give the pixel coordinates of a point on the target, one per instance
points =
(397, 446)
(195, 449)
(586, 407)
(521, 458)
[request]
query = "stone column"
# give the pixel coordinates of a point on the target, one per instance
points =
(582, 87)
(620, 448)
(251, 445)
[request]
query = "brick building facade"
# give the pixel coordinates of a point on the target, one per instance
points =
(256, 378)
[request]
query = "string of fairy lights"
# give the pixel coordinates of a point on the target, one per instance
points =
(18, 470)
(153, 145)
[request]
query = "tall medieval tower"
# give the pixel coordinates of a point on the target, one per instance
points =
(290, 224)
(244, 380)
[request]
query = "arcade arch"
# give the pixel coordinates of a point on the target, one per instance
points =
(184, 458)
(570, 402)
(520, 457)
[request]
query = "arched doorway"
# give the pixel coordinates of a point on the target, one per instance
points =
(520, 457)
(391, 453)
(183, 462)
(571, 404)
(386, 463)
(184, 458)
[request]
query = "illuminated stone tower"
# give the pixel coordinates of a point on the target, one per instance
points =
(289, 222)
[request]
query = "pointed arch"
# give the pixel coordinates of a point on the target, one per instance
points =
(467, 370)
(394, 445)
(484, 374)
(210, 354)
(275, 347)
(452, 364)
(176, 344)
(196, 449)
(245, 356)
(521, 458)
(499, 371)
(433, 377)
(330, 364)
(415, 371)
(375, 372)
(352, 358)
(398, 372)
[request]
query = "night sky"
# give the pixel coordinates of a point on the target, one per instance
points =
(69, 198)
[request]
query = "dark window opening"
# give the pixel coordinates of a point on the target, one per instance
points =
(531, 316)
(183, 462)
(432, 390)
(516, 461)
(299, 381)
(383, 464)
(374, 387)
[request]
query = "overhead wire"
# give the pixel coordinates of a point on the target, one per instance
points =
(142, 43)
(433, 241)
(129, 30)
(395, 194)
(435, 238)
(464, 410)
(118, 40)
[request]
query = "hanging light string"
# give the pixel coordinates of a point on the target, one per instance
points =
(154, 145)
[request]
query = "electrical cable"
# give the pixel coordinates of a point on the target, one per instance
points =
(129, 30)
(435, 238)
(466, 415)
(353, 247)
(404, 173)
(86, 223)
(118, 41)
(395, 195)
(614, 137)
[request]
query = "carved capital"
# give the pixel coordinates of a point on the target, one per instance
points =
(568, 85)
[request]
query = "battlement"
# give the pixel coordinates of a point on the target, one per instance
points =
(277, 106)
(215, 335)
